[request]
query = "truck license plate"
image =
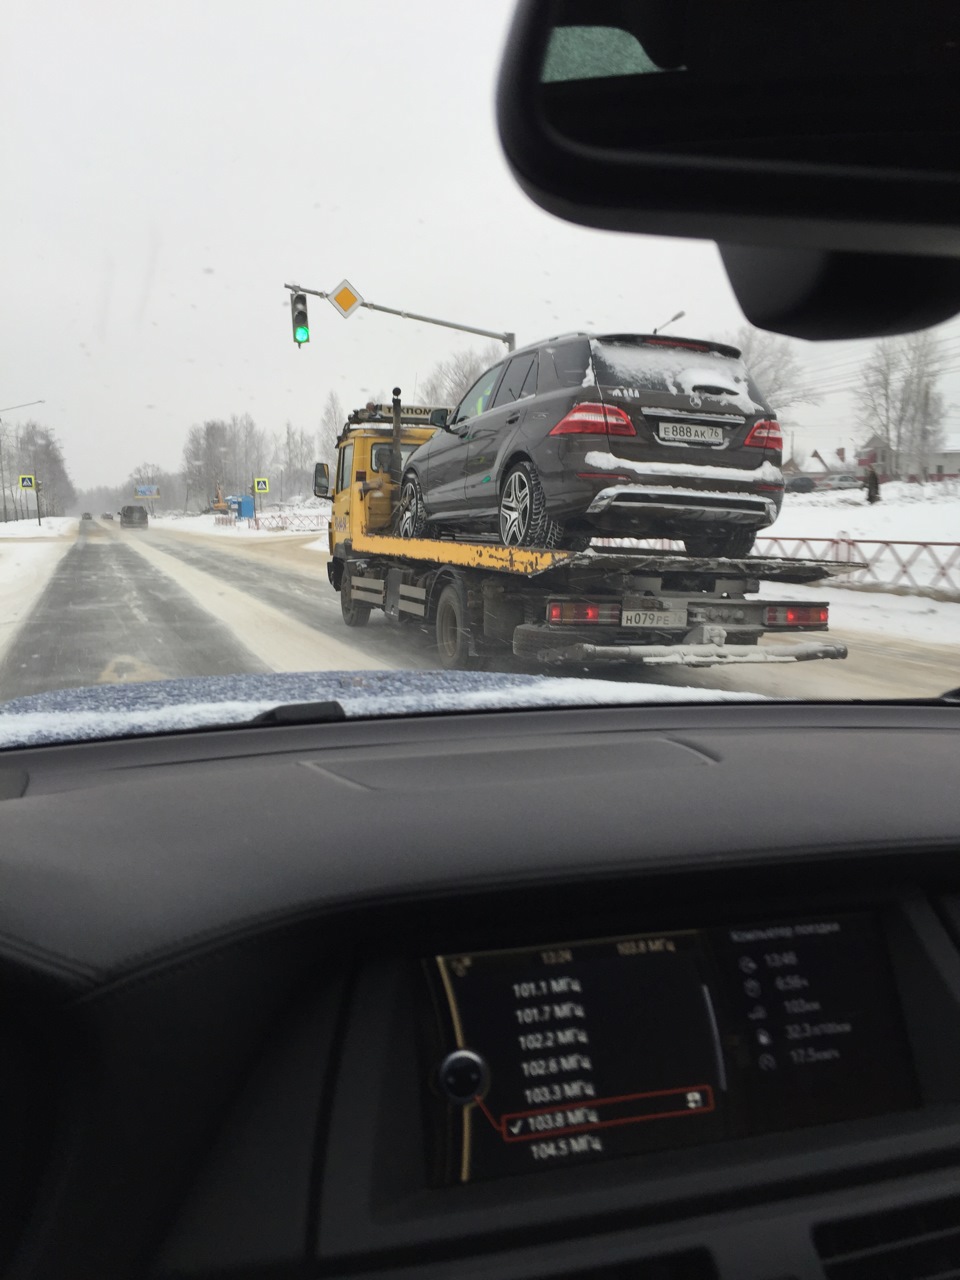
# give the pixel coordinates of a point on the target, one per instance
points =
(654, 618)
(690, 433)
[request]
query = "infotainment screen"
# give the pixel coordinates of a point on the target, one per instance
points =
(548, 1056)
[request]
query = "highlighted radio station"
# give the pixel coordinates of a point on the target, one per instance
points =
(603, 1113)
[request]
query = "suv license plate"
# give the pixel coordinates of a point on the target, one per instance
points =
(654, 618)
(688, 433)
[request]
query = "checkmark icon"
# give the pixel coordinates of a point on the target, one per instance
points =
(516, 1126)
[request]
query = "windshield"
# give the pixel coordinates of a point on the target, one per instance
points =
(207, 272)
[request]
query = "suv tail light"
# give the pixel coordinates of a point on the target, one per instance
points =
(560, 611)
(765, 434)
(792, 615)
(589, 419)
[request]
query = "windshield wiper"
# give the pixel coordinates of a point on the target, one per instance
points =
(298, 713)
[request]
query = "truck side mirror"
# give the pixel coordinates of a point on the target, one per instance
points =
(438, 418)
(321, 480)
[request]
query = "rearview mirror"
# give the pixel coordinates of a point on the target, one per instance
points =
(321, 480)
(808, 125)
(438, 418)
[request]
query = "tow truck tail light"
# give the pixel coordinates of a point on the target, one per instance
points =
(792, 615)
(765, 434)
(581, 611)
(594, 419)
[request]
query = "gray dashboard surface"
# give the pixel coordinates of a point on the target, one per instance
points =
(122, 852)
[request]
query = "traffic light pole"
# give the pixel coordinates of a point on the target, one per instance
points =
(509, 338)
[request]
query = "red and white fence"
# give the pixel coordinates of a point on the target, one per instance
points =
(913, 568)
(293, 521)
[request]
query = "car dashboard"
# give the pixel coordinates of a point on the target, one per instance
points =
(663, 992)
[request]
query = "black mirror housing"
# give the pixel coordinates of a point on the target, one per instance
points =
(321, 480)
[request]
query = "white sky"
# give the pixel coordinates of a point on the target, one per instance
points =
(167, 167)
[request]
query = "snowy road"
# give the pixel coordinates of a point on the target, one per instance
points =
(124, 605)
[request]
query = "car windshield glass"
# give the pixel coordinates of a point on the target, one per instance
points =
(211, 287)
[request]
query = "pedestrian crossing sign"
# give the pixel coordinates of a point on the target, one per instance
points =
(28, 482)
(261, 484)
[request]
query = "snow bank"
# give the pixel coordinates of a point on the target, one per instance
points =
(51, 527)
(905, 513)
(301, 520)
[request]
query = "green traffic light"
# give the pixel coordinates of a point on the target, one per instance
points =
(301, 333)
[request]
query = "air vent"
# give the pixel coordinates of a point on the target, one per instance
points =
(916, 1243)
(693, 1264)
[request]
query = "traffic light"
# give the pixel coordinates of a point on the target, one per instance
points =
(298, 315)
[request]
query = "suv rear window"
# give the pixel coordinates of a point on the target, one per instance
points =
(682, 370)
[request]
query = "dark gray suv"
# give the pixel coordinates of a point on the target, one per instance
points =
(133, 515)
(624, 435)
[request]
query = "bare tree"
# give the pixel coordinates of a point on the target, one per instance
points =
(898, 401)
(33, 449)
(332, 420)
(449, 379)
(775, 366)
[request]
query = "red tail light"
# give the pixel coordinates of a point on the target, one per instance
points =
(589, 419)
(559, 611)
(765, 434)
(782, 615)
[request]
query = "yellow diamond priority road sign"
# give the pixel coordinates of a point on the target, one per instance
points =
(345, 298)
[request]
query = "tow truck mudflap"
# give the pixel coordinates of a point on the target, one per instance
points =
(691, 655)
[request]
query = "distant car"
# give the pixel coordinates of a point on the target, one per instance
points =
(840, 482)
(86, 516)
(133, 515)
(107, 515)
(636, 435)
(801, 484)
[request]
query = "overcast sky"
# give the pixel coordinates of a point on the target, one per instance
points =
(167, 167)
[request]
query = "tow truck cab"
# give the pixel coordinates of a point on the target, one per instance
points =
(362, 487)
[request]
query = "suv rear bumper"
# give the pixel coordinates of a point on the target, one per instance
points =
(669, 503)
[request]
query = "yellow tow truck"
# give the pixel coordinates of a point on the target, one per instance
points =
(483, 601)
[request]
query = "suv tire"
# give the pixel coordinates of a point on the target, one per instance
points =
(522, 517)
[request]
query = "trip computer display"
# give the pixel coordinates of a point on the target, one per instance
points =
(543, 1057)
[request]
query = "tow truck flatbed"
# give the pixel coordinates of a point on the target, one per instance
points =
(531, 562)
(483, 601)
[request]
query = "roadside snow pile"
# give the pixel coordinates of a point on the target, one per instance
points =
(905, 513)
(274, 523)
(51, 527)
(880, 613)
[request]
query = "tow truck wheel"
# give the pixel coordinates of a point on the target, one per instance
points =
(354, 613)
(725, 542)
(413, 513)
(453, 638)
(522, 513)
